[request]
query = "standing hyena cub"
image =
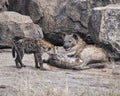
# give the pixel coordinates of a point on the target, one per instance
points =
(76, 47)
(28, 46)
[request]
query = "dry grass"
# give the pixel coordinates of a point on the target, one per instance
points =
(45, 92)
(66, 92)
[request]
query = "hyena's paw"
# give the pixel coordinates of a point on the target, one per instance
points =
(77, 68)
(37, 67)
(41, 68)
(19, 67)
(23, 65)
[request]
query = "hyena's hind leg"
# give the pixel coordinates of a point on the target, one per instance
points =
(18, 60)
(18, 57)
(82, 66)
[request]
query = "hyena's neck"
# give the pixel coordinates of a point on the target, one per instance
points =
(77, 49)
(72, 51)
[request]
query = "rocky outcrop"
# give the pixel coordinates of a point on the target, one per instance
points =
(104, 27)
(3, 5)
(115, 1)
(14, 24)
(68, 15)
(56, 16)
(59, 16)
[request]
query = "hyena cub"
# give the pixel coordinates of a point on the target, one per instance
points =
(31, 46)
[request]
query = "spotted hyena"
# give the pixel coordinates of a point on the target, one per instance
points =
(63, 61)
(76, 47)
(30, 46)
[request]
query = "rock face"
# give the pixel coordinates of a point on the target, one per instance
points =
(56, 16)
(14, 24)
(104, 27)
(59, 16)
(27, 7)
(3, 5)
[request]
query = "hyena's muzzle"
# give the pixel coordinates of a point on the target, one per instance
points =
(69, 42)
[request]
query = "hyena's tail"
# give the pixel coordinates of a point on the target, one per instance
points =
(13, 51)
(15, 39)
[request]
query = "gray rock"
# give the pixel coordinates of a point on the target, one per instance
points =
(56, 16)
(14, 24)
(115, 1)
(35, 10)
(104, 27)
(69, 16)
(27, 7)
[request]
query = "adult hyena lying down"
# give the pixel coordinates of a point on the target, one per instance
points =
(76, 47)
(31, 46)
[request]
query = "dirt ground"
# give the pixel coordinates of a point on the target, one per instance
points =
(30, 81)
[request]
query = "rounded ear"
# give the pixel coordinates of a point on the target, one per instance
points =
(75, 36)
(64, 34)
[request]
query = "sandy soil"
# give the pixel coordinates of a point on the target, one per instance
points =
(30, 81)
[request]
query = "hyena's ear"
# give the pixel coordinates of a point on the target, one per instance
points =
(64, 34)
(16, 38)
(75, 36)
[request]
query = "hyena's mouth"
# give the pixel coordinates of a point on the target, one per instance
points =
(67, 49)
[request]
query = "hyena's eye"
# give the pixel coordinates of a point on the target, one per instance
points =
(49, 49)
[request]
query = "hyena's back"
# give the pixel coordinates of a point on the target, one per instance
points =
(26, 45)
(29, 45)
(92, 53)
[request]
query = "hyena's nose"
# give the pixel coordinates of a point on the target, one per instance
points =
(65, 46)
(54, 56)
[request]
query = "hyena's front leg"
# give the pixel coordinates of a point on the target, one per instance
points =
(36, 60)
(40, 62)
(39, 56)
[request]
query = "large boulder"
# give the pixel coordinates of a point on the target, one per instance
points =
(27, 7)
(56, 16)
(104, 27)
(68, 15)
(14, 24)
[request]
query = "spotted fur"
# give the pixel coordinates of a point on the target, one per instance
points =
(31, 46)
